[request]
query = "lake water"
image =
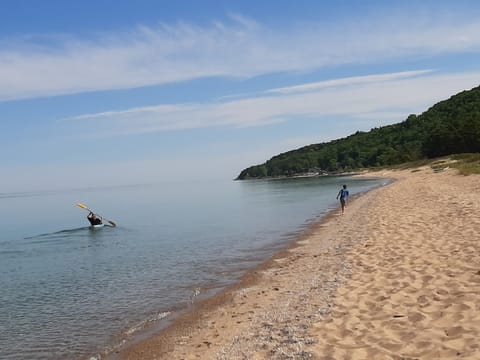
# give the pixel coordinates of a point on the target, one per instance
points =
(70, 292)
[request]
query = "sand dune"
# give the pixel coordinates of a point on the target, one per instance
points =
(396, 277)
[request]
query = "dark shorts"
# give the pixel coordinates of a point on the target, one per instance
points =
(342, 201)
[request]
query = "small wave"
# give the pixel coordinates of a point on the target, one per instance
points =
(195, 292)
(143, 324)
(57, 233)
(85, 231)
(11, 252)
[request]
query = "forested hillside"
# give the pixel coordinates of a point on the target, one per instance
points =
(450, 126)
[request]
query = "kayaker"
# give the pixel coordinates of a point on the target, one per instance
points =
(94, 220)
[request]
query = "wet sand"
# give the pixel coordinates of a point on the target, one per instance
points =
(396, 277)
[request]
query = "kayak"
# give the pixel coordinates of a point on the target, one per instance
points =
(110, 222)
(99, 226)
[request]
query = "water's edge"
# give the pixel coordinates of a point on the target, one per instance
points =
(169, 321)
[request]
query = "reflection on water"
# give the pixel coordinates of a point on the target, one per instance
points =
(69, 290)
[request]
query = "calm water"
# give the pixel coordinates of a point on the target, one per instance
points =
(67, 291)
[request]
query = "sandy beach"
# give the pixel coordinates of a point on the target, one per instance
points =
(396, 277)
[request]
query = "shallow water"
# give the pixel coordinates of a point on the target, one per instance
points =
(68, 291)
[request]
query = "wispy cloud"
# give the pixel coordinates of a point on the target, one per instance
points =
(238, 47)
(354, 80)
(391, 97)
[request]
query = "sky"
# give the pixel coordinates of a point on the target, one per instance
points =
(109, 92)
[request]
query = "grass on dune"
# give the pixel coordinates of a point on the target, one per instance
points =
(466, 164)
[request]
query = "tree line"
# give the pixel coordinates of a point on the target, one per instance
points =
(449, 127)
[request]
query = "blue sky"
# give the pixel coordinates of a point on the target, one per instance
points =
(108, 92)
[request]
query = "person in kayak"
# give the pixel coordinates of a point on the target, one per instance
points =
(94, 219)
(343, 195)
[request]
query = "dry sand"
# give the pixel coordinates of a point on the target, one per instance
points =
(396, 277)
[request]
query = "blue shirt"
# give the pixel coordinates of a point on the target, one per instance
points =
(344, 194)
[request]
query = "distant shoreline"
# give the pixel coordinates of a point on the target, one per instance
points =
(299, 176)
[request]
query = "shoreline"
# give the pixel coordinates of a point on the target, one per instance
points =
(186, 320)
(397, 276)
(304, 175)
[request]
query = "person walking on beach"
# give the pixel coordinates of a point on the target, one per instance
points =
(343, 195)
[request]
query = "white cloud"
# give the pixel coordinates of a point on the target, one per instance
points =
(391, 98)
(238, 48)
(354, 80)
